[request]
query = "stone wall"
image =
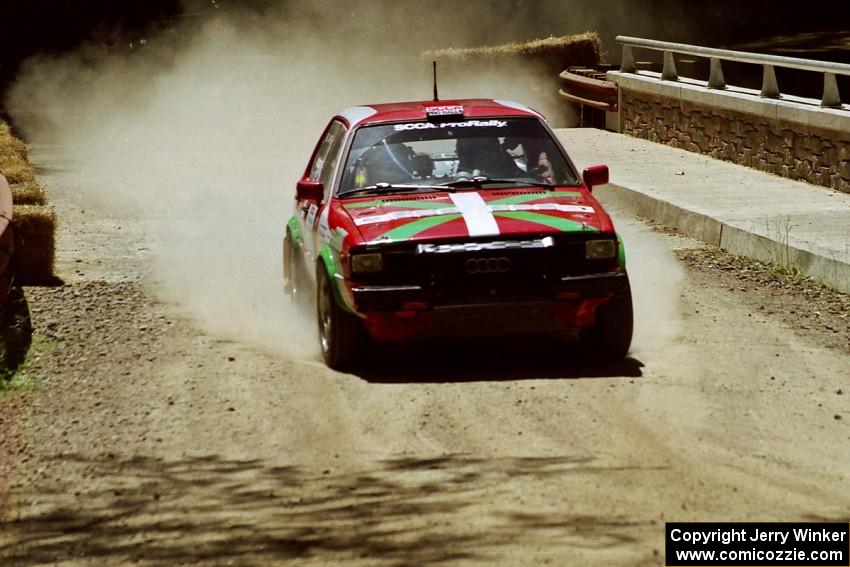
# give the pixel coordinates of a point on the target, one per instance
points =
(789, 148)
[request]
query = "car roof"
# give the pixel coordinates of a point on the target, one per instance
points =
(416, 110)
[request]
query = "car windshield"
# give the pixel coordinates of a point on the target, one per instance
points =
(511, 150)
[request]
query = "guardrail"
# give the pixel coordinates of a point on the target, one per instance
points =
(769, 89)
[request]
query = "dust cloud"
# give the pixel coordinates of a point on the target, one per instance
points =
(204, 130)
(657, 279)
(205, 137)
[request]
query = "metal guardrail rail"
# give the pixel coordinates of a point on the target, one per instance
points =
(769, 89)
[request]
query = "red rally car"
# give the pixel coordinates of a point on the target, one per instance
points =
(453, 218)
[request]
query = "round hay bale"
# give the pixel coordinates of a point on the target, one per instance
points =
(34, 229)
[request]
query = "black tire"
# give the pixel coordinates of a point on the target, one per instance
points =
(342, 337)
(15, 332)
(611, 334)
(296, 284)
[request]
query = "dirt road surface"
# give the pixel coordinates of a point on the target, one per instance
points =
(148, 440)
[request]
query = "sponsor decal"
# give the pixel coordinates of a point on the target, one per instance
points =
(401, 215)
(439, 125)
(444, 110)
(311, 215)
(395, 203)
(543, 207)
(338, 238)
(464, 247)
(323, 232)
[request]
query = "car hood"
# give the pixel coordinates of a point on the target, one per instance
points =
(469, 214)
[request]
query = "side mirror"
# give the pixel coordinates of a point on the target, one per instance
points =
(309, 190)
(595, 175)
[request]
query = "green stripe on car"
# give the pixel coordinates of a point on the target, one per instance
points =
(558, 223)
(413, 228)
(517, 199)
(407, 204)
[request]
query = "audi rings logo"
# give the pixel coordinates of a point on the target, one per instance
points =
(498, 265)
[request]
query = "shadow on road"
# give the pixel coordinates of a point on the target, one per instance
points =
(521, 358)
(15, 332)
(405, 511)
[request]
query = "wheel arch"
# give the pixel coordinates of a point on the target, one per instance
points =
(328, 261)
(621, 252)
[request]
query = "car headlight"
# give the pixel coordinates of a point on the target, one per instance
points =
(600, 249)
(366, 263)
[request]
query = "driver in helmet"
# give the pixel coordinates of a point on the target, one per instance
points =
(484, 156)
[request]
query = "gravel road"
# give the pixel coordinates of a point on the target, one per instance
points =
(147, 439)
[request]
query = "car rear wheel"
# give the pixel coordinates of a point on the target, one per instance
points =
(341, 334)
(611, 334)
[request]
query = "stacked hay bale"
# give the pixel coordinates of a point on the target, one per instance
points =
(554, 54)
(33, 223)
(530, 69)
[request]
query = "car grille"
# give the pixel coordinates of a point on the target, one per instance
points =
(513, 269)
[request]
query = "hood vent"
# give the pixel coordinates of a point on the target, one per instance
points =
(412, 198)
(515, 193)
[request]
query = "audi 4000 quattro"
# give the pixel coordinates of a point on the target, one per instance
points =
(452, 218)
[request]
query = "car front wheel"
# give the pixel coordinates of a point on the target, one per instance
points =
(611, 334)
(341, 334)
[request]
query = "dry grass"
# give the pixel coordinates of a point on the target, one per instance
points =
(30, 193)
(33, 224)
(556, 53)
(33, 229)
(9, 144)
(14, 162)
(17, 172)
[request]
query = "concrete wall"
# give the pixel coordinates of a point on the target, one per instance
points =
(792, 137)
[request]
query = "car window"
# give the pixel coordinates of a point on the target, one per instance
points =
(337, 136)
(328, 150)
(431, 153)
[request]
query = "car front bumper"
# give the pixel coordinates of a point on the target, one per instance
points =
(401, 312)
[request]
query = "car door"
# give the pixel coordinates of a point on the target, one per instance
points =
(322, 168)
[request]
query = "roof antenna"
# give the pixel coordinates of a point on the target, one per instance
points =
(436, 98)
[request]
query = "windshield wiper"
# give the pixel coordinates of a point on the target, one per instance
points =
(479, 181)
(384, 187)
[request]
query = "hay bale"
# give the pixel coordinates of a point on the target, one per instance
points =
(17, 171)
(30, 193)
(33, 229)
(33, 224)
(11, 148)
(14, 160)
(554, 53)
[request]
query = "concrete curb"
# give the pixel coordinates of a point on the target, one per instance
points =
(735, 239)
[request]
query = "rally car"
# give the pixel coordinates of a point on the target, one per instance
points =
(452, 219)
